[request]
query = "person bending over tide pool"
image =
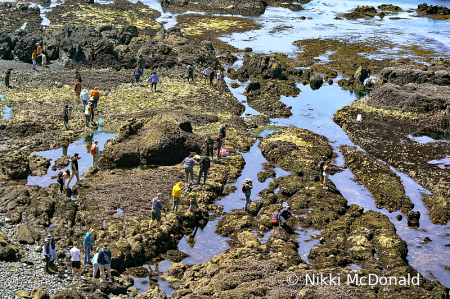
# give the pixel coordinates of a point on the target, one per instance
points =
(176, 193)
(156, 211)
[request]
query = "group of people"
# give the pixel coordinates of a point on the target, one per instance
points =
(154, 79)
(38, 53)
(209, 74)
(101, 260)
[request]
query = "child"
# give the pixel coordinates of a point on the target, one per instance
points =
(154, 79)
(193, 202)
(276, 223)
(137, 75)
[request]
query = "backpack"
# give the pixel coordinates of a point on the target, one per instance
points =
(243, 187)
(103, 258)
(275, 218)
(321, 164)
(93, 150)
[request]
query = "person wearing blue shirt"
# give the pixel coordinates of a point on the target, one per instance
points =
(87, 247)
(154, 79)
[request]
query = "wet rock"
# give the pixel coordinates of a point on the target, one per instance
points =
(234, 85)
(7, 249)
(177, 270)
(433, 9)
(39, 293)
(413, 218)
(252, 86)
(61, 162)
(14, 165)
(382, 182)
(139, 272)
(361, 75)
(175, 256)
(389, 7)
(361, 11)
(246, 8)
(14, 15)
(264, 175)
(68, 294)
(426, 240)
(155, 293)
(248, 49)
(438, 73)
(399, 217)
(38, 165)
(248, 240)
(438, 208)
(25, 236)
(316, 83)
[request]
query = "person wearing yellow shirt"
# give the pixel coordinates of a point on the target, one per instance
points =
(96, 95)
(176, 193)
(33, 58)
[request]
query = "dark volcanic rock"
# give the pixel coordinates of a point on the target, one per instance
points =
(7, 249)
(25, 236)
(14, 15)
(14, 165)
(413, 218)
(245, 7)
(433, 9)
(262, 66)
(438, 74)
(38, 165)
(68, 294)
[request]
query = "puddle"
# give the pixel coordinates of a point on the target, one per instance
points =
(442, 163)
(354, 267)
(119, 211)
(6, 110)
(154, 279)
(306, 242)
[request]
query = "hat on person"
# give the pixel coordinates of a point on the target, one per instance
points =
(188, 66)
(49, 237)
(92, 230)
(95, 141)
(288, 207)
(247, 180)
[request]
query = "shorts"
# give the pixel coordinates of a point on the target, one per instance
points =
(275, 224)
(325, 175)
(106, 266)
(156, 215)
(76, 265)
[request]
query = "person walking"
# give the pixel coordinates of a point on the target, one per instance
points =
(104, 262)
(320, 166)
(53, 254)
(189, 163)
(89, 113)
(206, 73)
(95, 152)
(60, 181)
(205, 164)
(219, 78)
(33, 59)
(141, 63)
(46, 252)
(211, 78)
(176, 193)
(95, 265)
(223, 132)
(137, 75)
(77, 89)
(7, 77)
(156, 211)
(193, 205)
(326, 174)
(76, 263)
(78, 77)
(190, 73)
(218, 140)
(276, 223)
(247, 188)
(153, 80)
(66, 116)
(96, 95)
(209, 147)
(84, 96)
(87, 244)
(44, 61)
(74, 171)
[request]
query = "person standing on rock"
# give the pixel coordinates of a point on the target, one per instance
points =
(212, 74)
(38, 49)
(205, 164)
(87, 244)
(95, 152)
(77, 89)
(326, 174)
(209, 147)
(95, 265)
(74, 169)
(276, 223)
(206, 73)
(219, 78)
(320, 166)
(223, 132)
(47, 251)
(76, 263)
(7, 77)
(248, 186)
(33, 59)
(189, 163)
(84, 96)
(193, 205)
(176, 193)
(154, 80)
(190, 73)
(78, 77)
(66, 116)
(137, 74)
(44, 61)
(89, 113)
(218, 140)
(156, 211)
(104, 261)
(96, 95)
(53, 254)
(141, 63)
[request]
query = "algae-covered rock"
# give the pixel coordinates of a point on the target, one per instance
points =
(39, 293)
(14, 164)
(25, 236)
(38, 165)
(7, 249)
(248, 239)
(68, 294)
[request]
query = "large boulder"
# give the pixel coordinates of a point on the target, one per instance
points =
(155, 293)
(68, 294)
(433, 9)
(38, 165)
(361, 74)
(5, 46)
(7, 248)
(25, 236)
(14, 165)
(39, 293)
(438, 73)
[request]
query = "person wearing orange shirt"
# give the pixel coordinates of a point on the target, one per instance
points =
(38, 49)
(77, 90)
(96, 95)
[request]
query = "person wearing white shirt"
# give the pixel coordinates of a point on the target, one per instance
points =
(76, 264)
(84, 96)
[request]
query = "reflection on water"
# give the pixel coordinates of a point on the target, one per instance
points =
(156, 269)
(6, 112)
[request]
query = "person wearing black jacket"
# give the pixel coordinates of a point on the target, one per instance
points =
(205, 164)
(209, 146)
(104, 262)
(223, 132)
